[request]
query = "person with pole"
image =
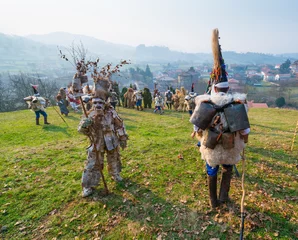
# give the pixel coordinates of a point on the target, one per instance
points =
(37, 104)
(107, 133)
(223, 135)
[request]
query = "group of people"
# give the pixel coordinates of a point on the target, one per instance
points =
(222, 137)
(66, 98)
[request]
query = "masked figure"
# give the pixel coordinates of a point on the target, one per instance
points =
(107, 134)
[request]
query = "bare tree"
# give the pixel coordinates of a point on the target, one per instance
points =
(20, 87)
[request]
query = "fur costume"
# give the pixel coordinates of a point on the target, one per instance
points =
(176, 100)
(147, 98)
(181, 95)
(219, 155)
(123, 99)
(129, 97)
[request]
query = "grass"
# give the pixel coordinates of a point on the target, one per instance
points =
(161, 196)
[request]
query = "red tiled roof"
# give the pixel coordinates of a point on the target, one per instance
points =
(251, 104)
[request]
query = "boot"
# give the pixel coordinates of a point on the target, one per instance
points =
(225, 183)
(87, 192)
(212, 182)
(46, 120)
(37, 121)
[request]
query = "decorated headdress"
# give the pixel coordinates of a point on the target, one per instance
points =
(192, 87)
(218, 75)
(102, 79)
(36, 93)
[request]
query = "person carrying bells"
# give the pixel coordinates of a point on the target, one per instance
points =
(107, 133)
(223, 136)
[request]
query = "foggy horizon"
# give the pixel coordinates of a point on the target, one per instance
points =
(255, 26)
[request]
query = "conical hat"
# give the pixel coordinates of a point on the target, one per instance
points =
(218, 75)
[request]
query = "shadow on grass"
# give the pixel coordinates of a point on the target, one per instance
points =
(267, 224)
(72, 118)
(157, 215)
(268, 127)
(54, 128)
(279, 155)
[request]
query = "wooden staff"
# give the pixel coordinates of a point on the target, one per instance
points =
(60, 115)
(242, 199)
(295, 133)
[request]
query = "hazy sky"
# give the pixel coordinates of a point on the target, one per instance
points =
(269, 26)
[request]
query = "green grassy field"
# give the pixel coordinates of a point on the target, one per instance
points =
(161, 197)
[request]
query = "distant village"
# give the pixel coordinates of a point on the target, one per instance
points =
(265, 85)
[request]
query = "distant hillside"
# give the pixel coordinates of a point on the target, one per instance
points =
(164, 54)
(96, 46)
(40, 53)
(16, 47)
(151, 54)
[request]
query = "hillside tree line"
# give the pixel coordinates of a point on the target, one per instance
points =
(18, 87)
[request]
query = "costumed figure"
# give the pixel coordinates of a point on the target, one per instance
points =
(181, 94)
(158, 104)
(73, 102)
(176, 99)
(62, 105)
(169, 98)
(190, 100)
(87, 90)
(107, 133)
(37, 104)
(129, 97)
(138, 96)
(117, 91)
(223, 134)
(123, 99)
(113, 99)
(62, 92)
(147, 98)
